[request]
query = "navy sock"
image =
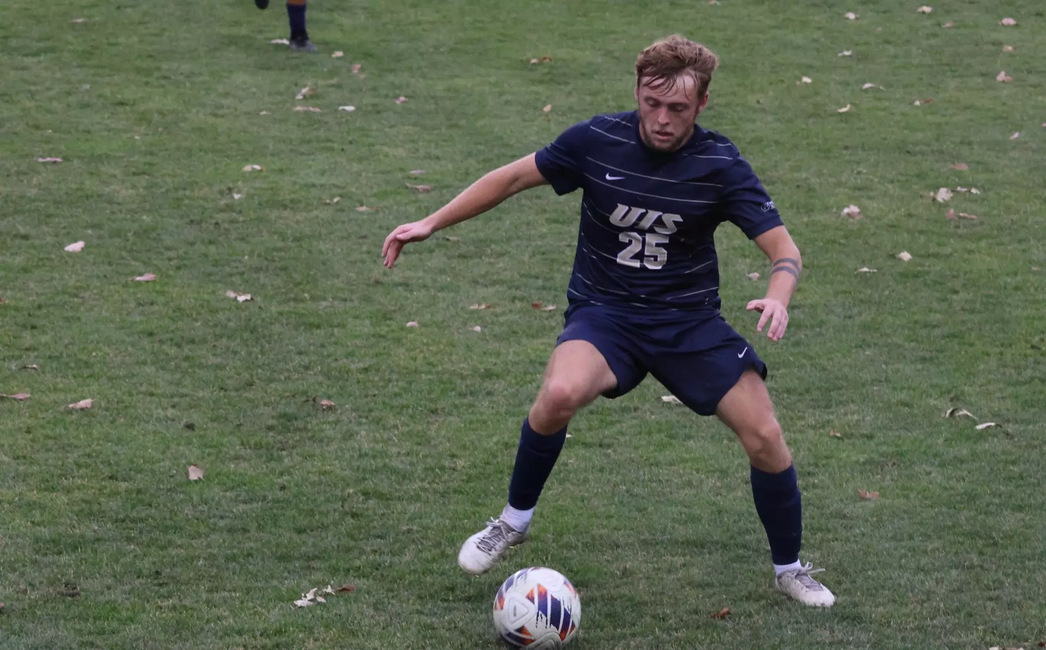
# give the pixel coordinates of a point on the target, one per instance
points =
(535, 458)
(296, 15)
(780, 508)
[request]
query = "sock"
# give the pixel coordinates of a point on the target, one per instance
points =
(781, 568)
(296, 15)
(779, 504)
(518, 519)
(535, 458)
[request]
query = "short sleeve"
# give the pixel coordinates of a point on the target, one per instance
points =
(746, 202)
(561, 162)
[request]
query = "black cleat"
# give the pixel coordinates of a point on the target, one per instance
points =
(261, 4)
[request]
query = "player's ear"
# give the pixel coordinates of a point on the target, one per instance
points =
(703, 103)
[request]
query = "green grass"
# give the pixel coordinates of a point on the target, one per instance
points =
(155, 109)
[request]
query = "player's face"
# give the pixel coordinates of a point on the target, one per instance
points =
(667, 112)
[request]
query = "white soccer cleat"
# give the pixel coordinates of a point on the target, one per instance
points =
(798, 584)
(485, 548)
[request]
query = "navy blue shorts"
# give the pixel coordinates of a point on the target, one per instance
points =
(697, 358)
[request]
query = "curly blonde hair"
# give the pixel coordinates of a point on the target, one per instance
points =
(667, 59)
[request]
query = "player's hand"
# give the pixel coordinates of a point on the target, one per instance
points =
(774, 313)
(405, 234)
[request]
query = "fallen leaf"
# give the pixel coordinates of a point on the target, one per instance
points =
(671, 399)
(844, 109)
(549, 308)
(253, 168)
(416, 172)
(79, 20)
(985, 425)
(904, 256)
(547, 109)
(148, 277)
(401, 99)
(195, 472)
(230, 294)
(31, 366)
(865, 269)
(1007, 48)
(280, 41)
(806, 80)
(753, 276)
(244, 297)
(950, 215)
(356, 68)
(1015, 135)
(337, 55)
(347, 588)
(307, 109)
(347, 109)
(963, 167)
(412, 323)
(265, 113)
(477, 328)
(305, 92)
(865, 494)
(1003, 77)
(304, 602)
(974, 190)
(49, 160)
(869, 85)
(723, 613)
(925, 10)
(74, 247)
(948, 25)
(537, 305)
(336, 200)
(364, 208)
(449, 238)
(327, 405)
(236, 197)
(956, 412)
(480, 306)
(942, 195)
(835, 434)
(846, 53)
(971, 217)
(21, 397)
(329, 590)
(82, 405)
(420, 188)
(851, 15)
(852, 211)
(1007, 22)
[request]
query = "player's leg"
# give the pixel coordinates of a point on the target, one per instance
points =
(747, 410)
(299, 36)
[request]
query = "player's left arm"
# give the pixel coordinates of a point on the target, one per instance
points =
(786, 265)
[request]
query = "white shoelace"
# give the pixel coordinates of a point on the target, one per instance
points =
(803, 576)
(495, 536)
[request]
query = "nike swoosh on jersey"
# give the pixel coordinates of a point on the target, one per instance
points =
(742, 353)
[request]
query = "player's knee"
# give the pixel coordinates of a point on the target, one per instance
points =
(562, 398)
(764, 439)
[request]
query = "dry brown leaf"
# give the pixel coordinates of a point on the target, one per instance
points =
(852, 211)
(971, 217)
(329, 590)
(356, 68)
(1015, 135)
(75, 247)
(401, 99)
(942, 195)
(950, 215)
(347, 588)
(148, 277)
(865, 494)
(307, 109)
(49, 160)
(956, 412)
(195, 472)
(963, 167)
(846, 53)
(280, 41)
(547, 109)
(244, 297)
(347, 109)
(870, 85)
(31, 366)
(230, 294)
(948, 25)
(925, 10)
(327, 405)
(305, 92)
(477, 328)
(851, 15)
(537, 305)
(337, 55)
(806, 80)
(1007, 22)
(904, 256)
(253, 168)
(82, 404)
(1003, 77)
(483, 305)
(1007, 48)
(865, 269)
(753, 276)
(844, 109)
(412, 323)
(723, 613)
(365, 208)
(236, 197)
(671, 399)
(21, 397)
(335, 201)
(265, 113)
(549, 308)
(420, 188)
(79, 21)
(835, 434)
(985, 425)
(416, 172)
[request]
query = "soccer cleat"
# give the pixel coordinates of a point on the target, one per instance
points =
(301, 43)
(485, 548)
(261, 4)
(798, 584)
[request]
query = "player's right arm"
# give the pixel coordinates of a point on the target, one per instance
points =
(484, 194)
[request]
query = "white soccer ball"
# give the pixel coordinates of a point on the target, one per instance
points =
(537, 608)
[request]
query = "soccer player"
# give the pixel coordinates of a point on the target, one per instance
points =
(296, 15)
(643, 292)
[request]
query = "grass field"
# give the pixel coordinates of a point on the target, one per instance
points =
(155, 108)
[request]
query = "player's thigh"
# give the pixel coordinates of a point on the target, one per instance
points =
(578, 367)
(746, 408)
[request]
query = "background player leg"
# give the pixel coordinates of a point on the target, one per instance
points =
(576, 375)
(747, 409)
(299, 36)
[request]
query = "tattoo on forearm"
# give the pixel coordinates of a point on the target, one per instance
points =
(786, 269)
(788, 260)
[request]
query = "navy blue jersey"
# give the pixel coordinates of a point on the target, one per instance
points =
(648, 218)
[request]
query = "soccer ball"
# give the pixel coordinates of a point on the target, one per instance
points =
(537, 608)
